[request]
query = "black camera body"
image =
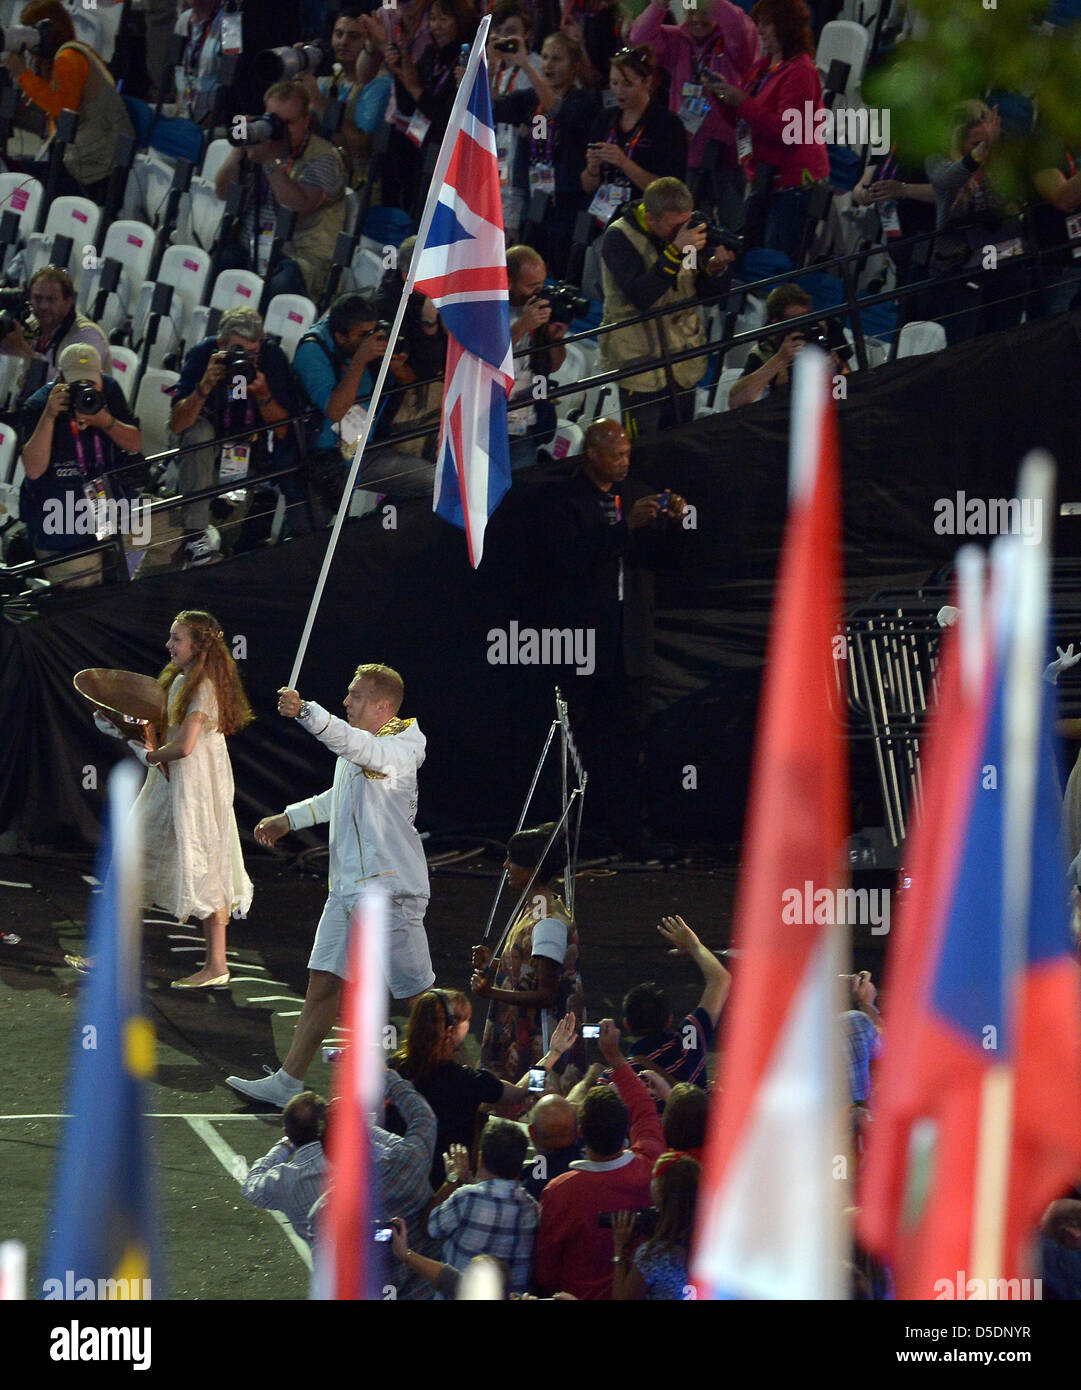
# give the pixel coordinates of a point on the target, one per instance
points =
(14, 310)
(566, 302)
(715, 235)
(829, 337)
(256, 129)
(85, 398)
(238, 363)
(505, 45)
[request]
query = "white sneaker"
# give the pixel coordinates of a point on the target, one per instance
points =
(272, 1089)
(203, 549)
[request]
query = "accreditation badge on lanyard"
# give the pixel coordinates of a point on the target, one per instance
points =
(235, 462)
(889, 219)
(504, 146)
(418, 128)
(744, 143)
(607, 199)
(694, 107)
(542, 178)
(94, 488)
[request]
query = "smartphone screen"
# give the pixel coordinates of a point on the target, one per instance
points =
(591, 1030)
(537, 1077)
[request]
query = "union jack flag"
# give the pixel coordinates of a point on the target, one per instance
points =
(461, 265)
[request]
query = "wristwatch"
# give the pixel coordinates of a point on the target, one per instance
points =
(304, 710)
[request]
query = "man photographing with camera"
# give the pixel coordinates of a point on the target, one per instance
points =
(539, 323)
(659, 251)
(282, 164)
(53, 322)
(229, 384)
(73, 433)
(769, 363)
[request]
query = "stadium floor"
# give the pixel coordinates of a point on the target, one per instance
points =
(216, 1245)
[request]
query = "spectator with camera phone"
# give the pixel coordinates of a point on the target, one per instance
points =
(293, 169)
(574, 1249)
(73, 432)
(236, 381)
(660, 251)
(769, 363)
(54, 322)
(658, 1270)
(518, 89)
(198, 73)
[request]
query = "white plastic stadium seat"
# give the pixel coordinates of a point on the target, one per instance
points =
(20, 194)
(132, 244)
(366, 270)
(11, 374)
(237, 289)
(289, 316)
(849, 42)
(729, 377)
(125, 370)
(72, 217)
(153, 406)
(217, 152)
(568, 440)
(185, 268)
(205, 211)
(574, 368)
(921, 336)
(7, 452)
(147, 188)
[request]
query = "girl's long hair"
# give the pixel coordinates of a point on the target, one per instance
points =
(678, 1184)
(213, 662)
(424, 1048)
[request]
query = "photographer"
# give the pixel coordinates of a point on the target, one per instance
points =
(66, 75)
(659, 252)
(230, 383)
(54, 323)
(290, 1178)
(769, 363)
(365, 102)
(73, 433)
(532, 325)
(517, 85)
(295, 170)
(337, 362)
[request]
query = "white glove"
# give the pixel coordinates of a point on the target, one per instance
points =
(139, 751)
(948, 615)
(106, 726)
(1066, 659)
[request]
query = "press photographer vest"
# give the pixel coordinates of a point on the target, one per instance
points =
(103, 116)
(641, 341)
(313, 242)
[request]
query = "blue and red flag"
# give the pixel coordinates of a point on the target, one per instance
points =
(103, 1241)
(978, 1118)
(461, 265)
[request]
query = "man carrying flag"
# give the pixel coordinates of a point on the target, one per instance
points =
(103, 1237)
(978, 1124)
(769, 1209)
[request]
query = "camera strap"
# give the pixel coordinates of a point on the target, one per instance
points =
(93, 487)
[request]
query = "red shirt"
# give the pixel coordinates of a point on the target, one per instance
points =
(787, 88)
(573, 1253)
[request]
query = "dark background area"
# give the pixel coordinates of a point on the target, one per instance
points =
(920, 429)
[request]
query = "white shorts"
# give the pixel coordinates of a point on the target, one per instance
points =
(409, 965)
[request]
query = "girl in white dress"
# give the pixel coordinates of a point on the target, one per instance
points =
(194, 865)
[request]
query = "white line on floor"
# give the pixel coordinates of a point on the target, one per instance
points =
(250, 980)
(287, 1013)
(180, 950)
(230, 1160)
(7, 883)
(268, 998)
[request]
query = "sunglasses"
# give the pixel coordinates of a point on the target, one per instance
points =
(640, 59)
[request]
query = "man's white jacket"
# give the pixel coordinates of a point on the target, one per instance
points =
(371, 806)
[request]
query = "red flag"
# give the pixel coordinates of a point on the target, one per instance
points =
(346, 1265)
(769, 1222)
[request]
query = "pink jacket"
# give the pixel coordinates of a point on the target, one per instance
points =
(788, 88)
(730, 50)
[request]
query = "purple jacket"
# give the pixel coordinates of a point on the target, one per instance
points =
(731, 49)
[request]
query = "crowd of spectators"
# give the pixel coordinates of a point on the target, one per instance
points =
(645, 157)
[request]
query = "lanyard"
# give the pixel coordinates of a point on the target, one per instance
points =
(298, 153)
(249, 415)
(191, 66)
(702, 60)
(80, 459)
(549, 140)
(619, 507)
(763, 77)
(628, 148)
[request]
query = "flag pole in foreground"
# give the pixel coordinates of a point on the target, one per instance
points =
(103, 1226)
(978, 1121)
(477, 60)
(770, 1219)
(348, 1262)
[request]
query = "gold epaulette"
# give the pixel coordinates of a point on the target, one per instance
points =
(392, 726)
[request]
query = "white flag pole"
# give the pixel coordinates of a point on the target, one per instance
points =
(476, 58)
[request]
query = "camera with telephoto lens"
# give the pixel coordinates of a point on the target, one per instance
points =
(30, 38)
(238, 363)
(829, 337)
(85, 398)
(14, 310)
(253, 130)
(717, 236)
(566, 302)
(285, 64)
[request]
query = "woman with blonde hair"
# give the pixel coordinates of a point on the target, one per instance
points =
(194, 866)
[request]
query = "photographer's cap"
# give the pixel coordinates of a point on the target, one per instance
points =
(80, 362)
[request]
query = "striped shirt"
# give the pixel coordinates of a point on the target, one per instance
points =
(289, 1182)
(496, 1218)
